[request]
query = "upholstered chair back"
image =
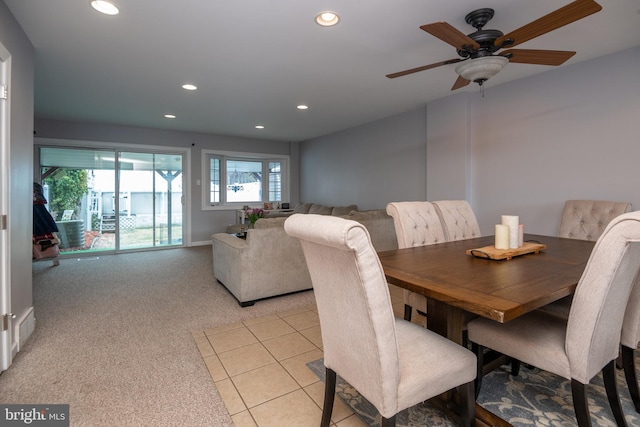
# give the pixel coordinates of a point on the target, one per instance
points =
(458, 219)
(352, 296)
(416, 223)
(601, 297)
(587, 219)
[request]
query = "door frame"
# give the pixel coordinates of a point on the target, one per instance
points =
(8, 347)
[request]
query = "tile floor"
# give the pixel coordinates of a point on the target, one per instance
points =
(259, 368)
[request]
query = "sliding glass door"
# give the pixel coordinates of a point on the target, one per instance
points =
(150, 202)
(113, 200)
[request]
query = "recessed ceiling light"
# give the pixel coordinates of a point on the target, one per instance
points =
(327, 19)
(189, 86)
(169, 116)
(259, 127)
(302, 107)
(105, 7)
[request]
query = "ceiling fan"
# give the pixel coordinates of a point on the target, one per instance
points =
(477, 51)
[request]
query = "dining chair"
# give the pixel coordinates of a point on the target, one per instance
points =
(584, 220)
(587, 219)
(393, 363)
(589, 340)
(629, 339)
(458, 219)
(416, 224)
(459, 223)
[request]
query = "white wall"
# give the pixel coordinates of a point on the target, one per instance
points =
(20, 161)
(369, 165)
(523, 149)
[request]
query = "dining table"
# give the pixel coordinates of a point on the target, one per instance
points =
(461, 282)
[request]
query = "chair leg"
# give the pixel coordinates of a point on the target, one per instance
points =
(388, 422)
(329, 396)
(629, 366)
(478, 350)
(611, 386)
(407, 312)
(515, 367)
(580, 403)
(468, 404)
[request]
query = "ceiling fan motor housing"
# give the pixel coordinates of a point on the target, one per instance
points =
(485, 38)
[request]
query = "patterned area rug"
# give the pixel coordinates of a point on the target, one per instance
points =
(533, 398)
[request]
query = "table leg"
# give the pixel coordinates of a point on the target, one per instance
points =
(449, 322)
(445, 320)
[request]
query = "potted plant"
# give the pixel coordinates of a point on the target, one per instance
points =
(253, 214)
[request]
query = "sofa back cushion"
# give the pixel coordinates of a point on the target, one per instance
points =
(302, 208)
(343, 210)
(365, 215)
(320, 209)
(270, 222)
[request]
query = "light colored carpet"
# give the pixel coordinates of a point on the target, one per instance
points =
(114, 339)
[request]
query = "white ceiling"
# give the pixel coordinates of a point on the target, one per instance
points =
(254, 61)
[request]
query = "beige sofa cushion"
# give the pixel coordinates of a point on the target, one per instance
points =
(320, 209)
(356, 215)
(380, 227)
(343, 210)
(270, 222)
(302, 208)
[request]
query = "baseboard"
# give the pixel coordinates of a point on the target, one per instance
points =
(23, 328)
(202, 243)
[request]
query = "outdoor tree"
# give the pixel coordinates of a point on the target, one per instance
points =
(66, 189)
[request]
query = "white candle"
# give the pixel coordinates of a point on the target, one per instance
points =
(502, 236)
(520, 235)
(243, 215)
(512, 221)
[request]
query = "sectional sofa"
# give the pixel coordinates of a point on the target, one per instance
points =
(270, 263)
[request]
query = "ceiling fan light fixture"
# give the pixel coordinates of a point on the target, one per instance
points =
(105, 7)
(481, 69)
(327, 19)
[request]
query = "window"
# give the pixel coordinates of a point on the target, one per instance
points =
(239, 179)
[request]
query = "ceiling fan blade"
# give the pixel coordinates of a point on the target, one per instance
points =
(461, 82)
(449, 34)
(540, 57)
(424, 67)
(552, 21)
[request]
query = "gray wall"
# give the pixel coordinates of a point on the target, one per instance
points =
(203, 223)
(369, 165)
(569, 133)
(523, 149)
(21, 160)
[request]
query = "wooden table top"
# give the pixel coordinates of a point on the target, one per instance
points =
(499, 290)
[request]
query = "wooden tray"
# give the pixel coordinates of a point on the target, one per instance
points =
(492, 253)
